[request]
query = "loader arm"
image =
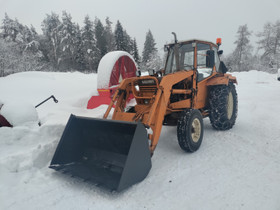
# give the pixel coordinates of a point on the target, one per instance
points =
(151, 114)
(159, 108)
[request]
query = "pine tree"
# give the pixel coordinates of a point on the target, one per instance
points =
(128, 43)
(101, 43)
(122, 40)
(88, 43)
(150, 53)
(119, 37)
(135, 52)
(149, 47)
(110, 39)
(68, 32)
(79, 56)
(51, 27)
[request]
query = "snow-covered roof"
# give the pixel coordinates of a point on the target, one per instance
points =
(105, 67)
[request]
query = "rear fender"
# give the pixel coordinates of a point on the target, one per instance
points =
(222, 80)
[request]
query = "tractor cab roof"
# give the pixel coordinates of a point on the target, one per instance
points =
(192, 41)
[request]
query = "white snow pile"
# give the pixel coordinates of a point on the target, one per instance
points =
(234, 169)
(19, 113)
(106, 65)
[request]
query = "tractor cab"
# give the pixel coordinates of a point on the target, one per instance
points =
(202, 56)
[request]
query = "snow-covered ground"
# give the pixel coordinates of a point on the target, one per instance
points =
(235, 169)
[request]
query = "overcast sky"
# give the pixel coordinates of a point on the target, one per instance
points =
(188, 18)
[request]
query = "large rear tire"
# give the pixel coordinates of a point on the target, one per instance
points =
(223, 106)
(190, 130)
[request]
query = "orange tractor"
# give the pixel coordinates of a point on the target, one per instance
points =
(116, 153)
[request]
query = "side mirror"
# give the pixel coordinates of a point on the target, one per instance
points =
(210, 58)
(220, 52)
(223, 67)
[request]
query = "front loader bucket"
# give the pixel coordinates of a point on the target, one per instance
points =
(112, 154)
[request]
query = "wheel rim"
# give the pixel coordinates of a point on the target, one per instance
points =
(230, 106)
(196, 130)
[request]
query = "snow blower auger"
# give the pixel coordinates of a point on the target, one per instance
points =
(117, 153)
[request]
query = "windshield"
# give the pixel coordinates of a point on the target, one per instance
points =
(186, 57)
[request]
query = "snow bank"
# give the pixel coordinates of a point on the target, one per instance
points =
(235, 169)
(106, 65)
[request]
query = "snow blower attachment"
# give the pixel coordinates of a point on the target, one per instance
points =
(116, 153)
(111, 154)
(112, 69)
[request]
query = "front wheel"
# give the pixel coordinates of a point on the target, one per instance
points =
(190, 130)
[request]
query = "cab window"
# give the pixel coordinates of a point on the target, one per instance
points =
(186, 58)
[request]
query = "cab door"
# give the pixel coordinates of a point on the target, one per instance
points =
(204, 73)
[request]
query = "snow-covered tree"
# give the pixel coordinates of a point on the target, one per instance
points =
(135, 52)
(269, 44)
(13, 60)
(14, 31)
(79, 55)
(155, 62)
(101, 42)
(119, 37)
(88, 43)
(128, 42)
(68, 34)
(51, 30)
(122, 40)
(21, 45)
(10, 28)
(8, 57)
(110, 39)
(240, 59)
(150, 53)
(33, 31)
(149, 47)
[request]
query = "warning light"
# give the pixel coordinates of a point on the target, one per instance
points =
(219, 41)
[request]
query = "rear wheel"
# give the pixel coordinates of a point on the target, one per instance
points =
(223, 106)
(190, 130)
